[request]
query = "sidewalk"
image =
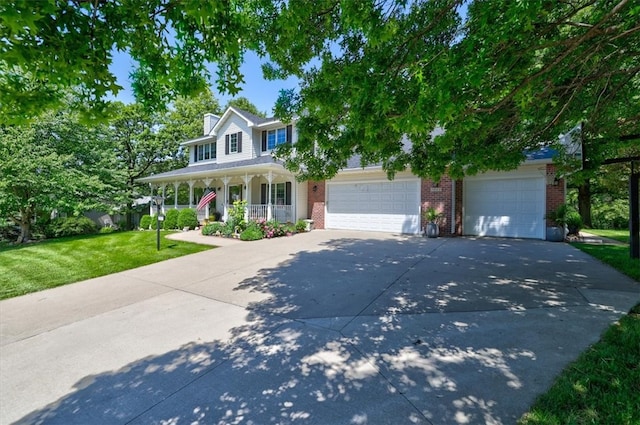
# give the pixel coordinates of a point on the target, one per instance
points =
(590, 238)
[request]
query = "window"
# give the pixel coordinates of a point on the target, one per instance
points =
(205, 152)
(233, 143)
(280, 193)
(273, 138)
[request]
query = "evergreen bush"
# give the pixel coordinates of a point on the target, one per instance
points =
(154, 223)
(145, 222)
(188, 218)
(171, 219)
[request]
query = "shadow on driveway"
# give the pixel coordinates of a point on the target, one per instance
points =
(367, 331)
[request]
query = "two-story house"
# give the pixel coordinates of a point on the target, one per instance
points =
(234, 159)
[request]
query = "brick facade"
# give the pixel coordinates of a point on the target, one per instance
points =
(315, 205)
(555, 189)
(438, 196)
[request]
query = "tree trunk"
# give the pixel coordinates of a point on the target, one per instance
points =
(129, 216)
(584, 202)
(25, 230)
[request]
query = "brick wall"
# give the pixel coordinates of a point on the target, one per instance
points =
(315, 206)
(438, 196)
(555, 190)
(459, 217)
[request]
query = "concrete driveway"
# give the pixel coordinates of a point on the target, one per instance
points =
(324, 328)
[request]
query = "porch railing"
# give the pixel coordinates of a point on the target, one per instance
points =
(255, 212)
(281, 213)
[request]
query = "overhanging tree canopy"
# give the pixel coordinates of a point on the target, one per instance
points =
(501, 76)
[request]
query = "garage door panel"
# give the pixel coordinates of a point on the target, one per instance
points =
(377, 206)
(507, 207)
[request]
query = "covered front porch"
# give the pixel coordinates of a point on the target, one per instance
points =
(271, 193)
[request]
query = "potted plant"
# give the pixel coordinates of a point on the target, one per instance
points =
(432, 217)
(556, 222)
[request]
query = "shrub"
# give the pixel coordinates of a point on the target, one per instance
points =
(229, 228)
(236, 214)
(107, 229)
(574, 222)
(71, 226)
(154, 223)
(212, 228)
(251, 233)
(301, 226)
(171, 219)
(145, 222)
(187, 218)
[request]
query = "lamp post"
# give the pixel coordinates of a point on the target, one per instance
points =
(157, 200)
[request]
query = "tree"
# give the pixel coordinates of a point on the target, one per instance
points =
(47, 166)
(502, 78)
(49, 45)
(138, 149)
(183, 121)
(245, 104)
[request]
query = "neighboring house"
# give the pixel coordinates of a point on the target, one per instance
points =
(234, 158)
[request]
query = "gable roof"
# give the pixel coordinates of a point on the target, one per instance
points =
(252, 120)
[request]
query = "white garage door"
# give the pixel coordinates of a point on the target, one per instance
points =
(508, 207)
(386, 206)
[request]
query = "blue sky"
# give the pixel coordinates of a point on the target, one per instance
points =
(259, 91)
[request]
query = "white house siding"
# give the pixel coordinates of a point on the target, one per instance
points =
(235, 124)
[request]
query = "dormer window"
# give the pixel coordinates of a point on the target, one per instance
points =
(273, 138)
(233, 143)
(205, 152)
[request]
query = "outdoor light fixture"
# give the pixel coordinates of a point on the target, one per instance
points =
(315, 188)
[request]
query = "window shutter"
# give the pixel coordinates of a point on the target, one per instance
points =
(263, 194)
(239, 141)
(264, 140)
(226, 144)
(195, 153)
(289, 135)
(287, 193)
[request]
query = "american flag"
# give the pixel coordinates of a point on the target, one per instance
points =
(206, 198)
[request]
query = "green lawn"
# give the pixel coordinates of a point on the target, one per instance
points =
(618, 235)
(34, 267)
(617, 256)
(603, 385)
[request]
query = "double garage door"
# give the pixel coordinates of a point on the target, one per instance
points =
(505, 205)
(386, 206)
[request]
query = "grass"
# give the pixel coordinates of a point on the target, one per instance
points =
(34, 267)
(617, 256)
(603, 385)
(618, 235)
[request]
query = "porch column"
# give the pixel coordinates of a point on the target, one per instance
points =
(269, 206)
(225, 213)
(191, 183)
(247, 180)
(176, 185)
(164, 186)
(207, 182)
(151, 203)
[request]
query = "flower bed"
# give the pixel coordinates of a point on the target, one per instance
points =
(254, 229)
